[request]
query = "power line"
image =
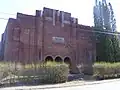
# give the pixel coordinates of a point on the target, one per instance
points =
(84, 30)
(4, 18)
(103, 32)
(7, 13)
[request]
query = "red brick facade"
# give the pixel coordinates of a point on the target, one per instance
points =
(49, 33)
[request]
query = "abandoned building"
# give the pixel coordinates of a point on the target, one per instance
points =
(48, 35)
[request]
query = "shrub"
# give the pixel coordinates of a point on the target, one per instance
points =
(50, 72)
(106, 70)
(7, 68)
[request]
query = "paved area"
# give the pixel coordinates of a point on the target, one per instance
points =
(75, 85)
(102, 86)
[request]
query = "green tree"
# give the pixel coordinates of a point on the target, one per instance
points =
(107, 47)
(115, 43)
(112, 18)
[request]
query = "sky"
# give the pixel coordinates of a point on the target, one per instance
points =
(81, 9)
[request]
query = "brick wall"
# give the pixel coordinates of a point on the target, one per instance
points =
(49, 33)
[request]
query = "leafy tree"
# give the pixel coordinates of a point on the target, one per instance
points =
(107, 47)
(112, 18)
(115, 43)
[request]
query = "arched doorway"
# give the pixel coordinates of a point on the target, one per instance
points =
(48, 58)
(58, 59)
(67, 60)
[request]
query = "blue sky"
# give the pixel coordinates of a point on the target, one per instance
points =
(82, 9)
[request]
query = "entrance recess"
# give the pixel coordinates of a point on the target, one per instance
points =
(67, 60)
(48, 58)
(58, 59)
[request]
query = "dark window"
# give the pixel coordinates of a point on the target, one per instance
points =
(40, 55)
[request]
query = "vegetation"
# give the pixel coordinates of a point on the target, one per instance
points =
(107, 48)
(105, 70)
(43, 73)
(7, 68)
(50, 72)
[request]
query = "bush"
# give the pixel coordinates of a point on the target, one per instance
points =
(7, 68)
(50, 72)
(105, 70)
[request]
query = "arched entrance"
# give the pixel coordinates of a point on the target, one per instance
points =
(67, 60)
(58, 59)
(48, 58)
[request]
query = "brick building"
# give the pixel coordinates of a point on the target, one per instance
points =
(48, 35)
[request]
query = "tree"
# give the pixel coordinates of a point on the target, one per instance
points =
(104, 48)
(109, 49)
(107, 46)
(115, 43)
(104, 16)
(112, 18)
